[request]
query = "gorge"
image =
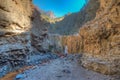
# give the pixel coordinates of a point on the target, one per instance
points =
(93, 33)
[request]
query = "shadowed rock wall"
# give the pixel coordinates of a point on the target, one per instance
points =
(15, 24)
(19, 21)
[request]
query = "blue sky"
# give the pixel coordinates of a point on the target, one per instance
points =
(60, 7)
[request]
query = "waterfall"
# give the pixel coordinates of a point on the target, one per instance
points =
(66, 50)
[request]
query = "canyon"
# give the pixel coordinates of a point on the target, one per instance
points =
(93, 33)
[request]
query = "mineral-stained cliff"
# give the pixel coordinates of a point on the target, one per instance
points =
(20, 28)
(99, 39)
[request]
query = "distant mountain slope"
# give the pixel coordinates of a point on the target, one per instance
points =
(48, 16)
(72, 22)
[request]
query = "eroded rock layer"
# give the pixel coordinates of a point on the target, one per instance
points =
(102, 39)
(39, 33)
(19, 21)
(15, 24)
(99, 39)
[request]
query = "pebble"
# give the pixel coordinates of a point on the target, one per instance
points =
(66, 71)
(19, 76)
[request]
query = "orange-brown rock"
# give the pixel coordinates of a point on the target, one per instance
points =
(74, 43)
(99, 39)
(102, 39)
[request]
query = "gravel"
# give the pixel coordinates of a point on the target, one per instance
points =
(66, 68)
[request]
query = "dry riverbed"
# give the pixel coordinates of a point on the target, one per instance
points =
(64, 68)
(61, 69)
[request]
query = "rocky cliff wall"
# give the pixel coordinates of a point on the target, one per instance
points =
(99, 39)
(20, 30)
(39, 32)
(15, 25)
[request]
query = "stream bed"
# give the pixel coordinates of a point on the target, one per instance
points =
(62, 68)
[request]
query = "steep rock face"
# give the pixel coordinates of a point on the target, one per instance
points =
(19, 21)
(74, 43)
(55, 45)
(99, 39)
(39, 33)
(15, 24)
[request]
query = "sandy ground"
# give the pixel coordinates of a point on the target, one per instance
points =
(61, 69)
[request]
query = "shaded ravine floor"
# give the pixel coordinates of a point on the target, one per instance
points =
(62, 69)
(66, 68)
